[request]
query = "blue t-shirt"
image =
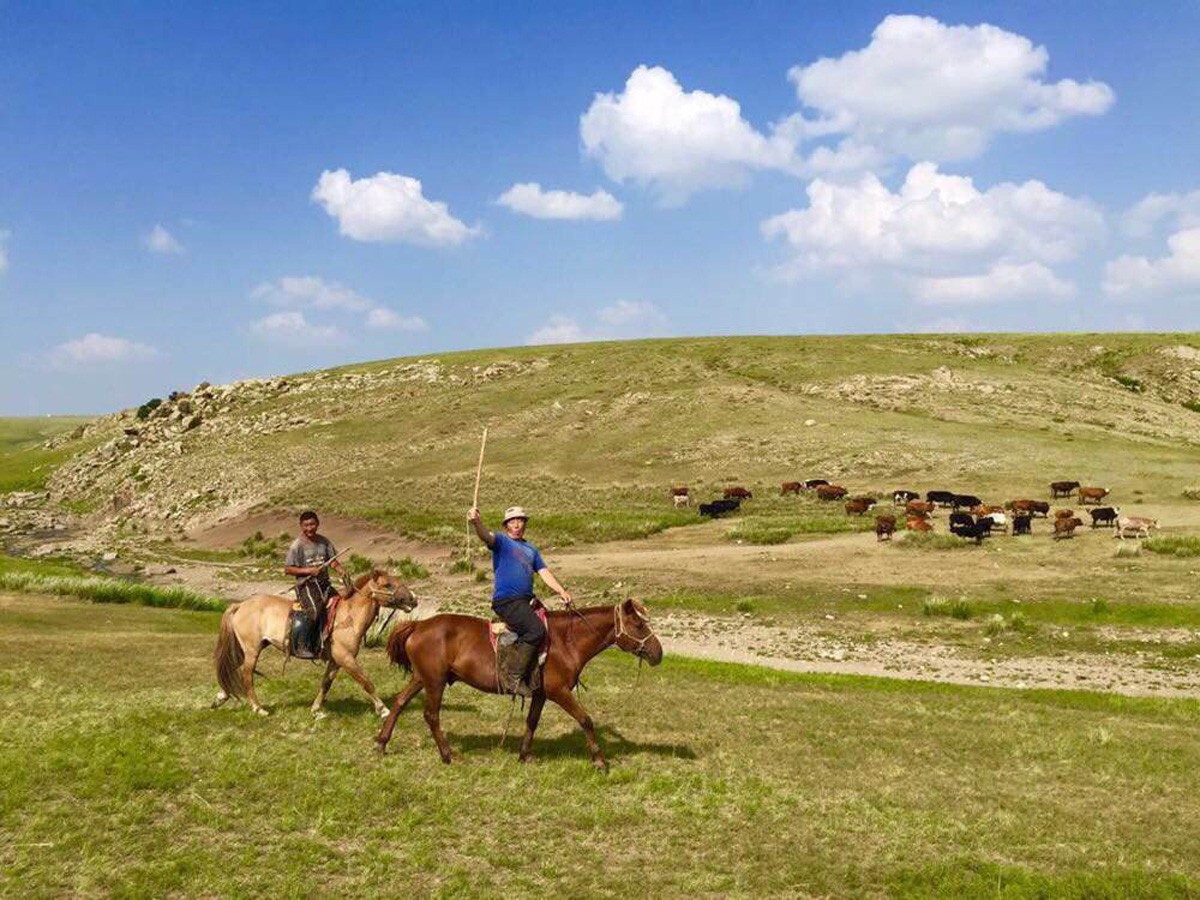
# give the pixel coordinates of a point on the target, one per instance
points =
(513, 565)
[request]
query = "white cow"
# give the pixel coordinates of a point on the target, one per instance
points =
(1138, 526)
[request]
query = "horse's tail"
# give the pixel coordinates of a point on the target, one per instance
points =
(396, 650)
(229, 655)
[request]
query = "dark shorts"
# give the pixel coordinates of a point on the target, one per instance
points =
(518, 614)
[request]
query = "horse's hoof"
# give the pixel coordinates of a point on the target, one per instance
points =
(380, 747)
(263, 711)
(319, 714)
(601, 766)
(446, 759)
(383, 712)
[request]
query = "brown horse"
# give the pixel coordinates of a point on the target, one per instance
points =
(248, 627)
(447, 648)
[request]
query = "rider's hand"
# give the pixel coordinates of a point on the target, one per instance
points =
(566, 597)
(473, 515)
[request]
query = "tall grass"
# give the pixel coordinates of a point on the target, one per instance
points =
(1174, 544)
(109, 590)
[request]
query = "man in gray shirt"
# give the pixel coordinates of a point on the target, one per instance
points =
(306, 560)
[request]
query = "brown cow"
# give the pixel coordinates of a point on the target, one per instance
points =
(680, 490)
(920, 508)
(1065, 528)
(916, 523)
(1064, 513)
(791, 487)
(1092, 495)
(885, 526)
(1062, 488)
(983, 509)
(858, 506)
(831, 492)
(740, 492)
(1029, 506)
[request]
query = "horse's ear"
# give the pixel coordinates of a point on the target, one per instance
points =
(635, 608)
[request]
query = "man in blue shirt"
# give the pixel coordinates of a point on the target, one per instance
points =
(514, 561)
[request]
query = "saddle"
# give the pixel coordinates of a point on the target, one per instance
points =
(304, 634)
(503, 640)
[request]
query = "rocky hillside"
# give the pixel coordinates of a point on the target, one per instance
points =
(604, 427)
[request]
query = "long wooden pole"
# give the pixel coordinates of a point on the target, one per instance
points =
(475, 499)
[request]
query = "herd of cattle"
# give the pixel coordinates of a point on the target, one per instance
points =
(970, 518)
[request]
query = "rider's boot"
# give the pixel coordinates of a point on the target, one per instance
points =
(514, 667)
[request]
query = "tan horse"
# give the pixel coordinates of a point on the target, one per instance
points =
(249, 627)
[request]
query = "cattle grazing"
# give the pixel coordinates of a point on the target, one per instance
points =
(680, 490)
(941, 498)
(718, 508)
(1033, 507)
(999, 520)
(681, 500)
(963, 526)
(858, 506)
(1065, 528)
(1138, 526)
(1021, 525)
(966, 501)
(740, 492)
(1104, 516)
(900, 498)
(985, 523)
(920, 508)
(959, 521)
(917, 523)
(1064, 513)
(791, 487)
(831, 492)
(1063, 488)
(885, 526)
(814, 483)
(1092, 495)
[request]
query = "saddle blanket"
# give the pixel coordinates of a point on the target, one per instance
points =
(498, 633)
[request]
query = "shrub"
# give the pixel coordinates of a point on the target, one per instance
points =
(927, 540)
(407, 568)
(143, 411)
(941, 606)
(258, 547)
(1174, 544)
(358, 565)
(994, 624)
(462, 565)
(1193, 405)
(1127, 551)
(744, 606)
(1099, 607)
(1129, 382)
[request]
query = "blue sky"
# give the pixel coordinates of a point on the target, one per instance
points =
(210, 191)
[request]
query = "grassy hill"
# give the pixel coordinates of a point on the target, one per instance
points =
(591, 435)
(25, 463)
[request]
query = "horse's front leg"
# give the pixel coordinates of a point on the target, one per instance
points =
(531, 724)
(385, 733)
(331, 671)
(564, 698)
(348, 662)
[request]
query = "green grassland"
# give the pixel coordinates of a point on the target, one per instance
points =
(24, 463)
(725, 780)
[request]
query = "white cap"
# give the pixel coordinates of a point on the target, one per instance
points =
(514, 512)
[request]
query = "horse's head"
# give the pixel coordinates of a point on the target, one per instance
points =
(634, 634)
(387, 590)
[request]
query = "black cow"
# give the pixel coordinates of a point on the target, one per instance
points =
(1063, 488)
(1021, 525)
(966, 501)
(960, 521)
(941, 498)
(814, 483)
(1104, 516)
(718, 508)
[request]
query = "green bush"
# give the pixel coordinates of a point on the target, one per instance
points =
(143, 411)
(942, 606)
(1174, 544)
(407, 568)
(1129, 382)
(109, 590)
(1193, 405)
(927, 540)
(358, 565)
(462, 565)
(259, 547)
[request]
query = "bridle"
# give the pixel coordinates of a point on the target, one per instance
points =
(621, 631)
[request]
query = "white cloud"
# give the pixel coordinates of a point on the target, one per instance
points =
(623, 319)
(531, 200)
(1178, 270)
(558, 330)
(632, 313)
(1183, 210)
(97, 349)
(945, 325)
(159, 240)
(383, 318)
(934, 225)
(309, 291)
(292, 329)
(388, 208)
(4, 250)
(926, 90)
(677, 142)
(1004, 281)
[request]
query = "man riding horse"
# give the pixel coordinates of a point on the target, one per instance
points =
(514, 561)
(309, 559)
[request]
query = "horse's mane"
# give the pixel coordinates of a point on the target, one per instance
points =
(606, 608)
(361, 581)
